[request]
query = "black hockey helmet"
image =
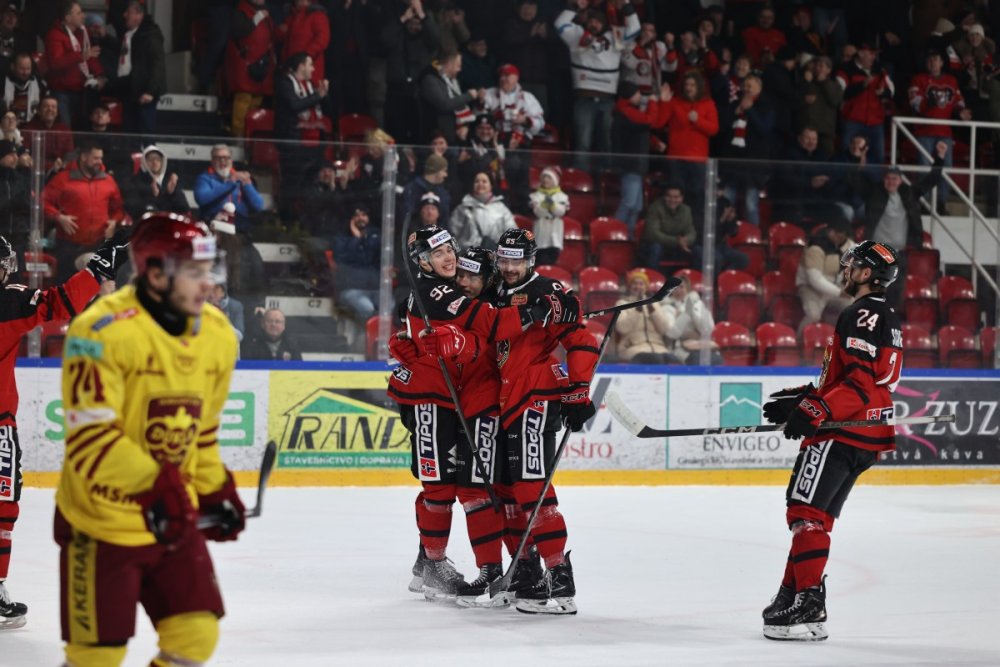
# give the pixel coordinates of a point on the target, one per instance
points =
(8, 259)
(881, 258)
(421, 242)
(479, 261)
(517, 243)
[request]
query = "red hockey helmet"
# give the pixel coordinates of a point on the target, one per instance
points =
(167, 239)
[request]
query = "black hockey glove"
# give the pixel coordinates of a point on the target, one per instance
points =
(107, 259)
(778, 410)
(806, 418)
(555, 308)
(577, 408)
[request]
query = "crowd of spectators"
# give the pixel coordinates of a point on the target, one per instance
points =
(793, 97)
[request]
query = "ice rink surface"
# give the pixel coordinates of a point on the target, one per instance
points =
(665, 576)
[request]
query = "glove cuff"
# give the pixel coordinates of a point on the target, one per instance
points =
(578, 392)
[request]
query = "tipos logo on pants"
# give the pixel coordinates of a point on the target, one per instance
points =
(426, 437)
(810, 471)
(9, 457)
(532, 425)
(487, 429)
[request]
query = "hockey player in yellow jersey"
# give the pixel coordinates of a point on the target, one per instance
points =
(146, 372)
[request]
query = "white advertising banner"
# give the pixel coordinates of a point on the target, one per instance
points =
(40, 419)
(699, 401)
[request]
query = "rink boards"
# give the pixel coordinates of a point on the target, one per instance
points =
(334, 426)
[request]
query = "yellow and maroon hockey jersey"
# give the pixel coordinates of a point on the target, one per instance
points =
(134, 396)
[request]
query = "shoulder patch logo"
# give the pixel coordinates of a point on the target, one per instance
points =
(77, 347)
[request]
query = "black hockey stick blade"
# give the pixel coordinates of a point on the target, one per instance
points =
(669, 285)
(266, 466)
(637, 427)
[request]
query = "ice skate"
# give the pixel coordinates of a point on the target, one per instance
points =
(782, 600)
(476, 593)
(802, 621)
(441, 579)
(553, 594)
(12, 614)
(417, 582)
(529, 572)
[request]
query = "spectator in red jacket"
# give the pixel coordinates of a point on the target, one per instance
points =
(74, 71)
(84, 205)
(58, 137)
(935, 94)
(692, 120)
(306, 30)
(867, 86)
(250, 60)
(762, 39)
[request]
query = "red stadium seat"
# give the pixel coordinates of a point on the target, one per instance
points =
(738, 299)
(815, 338)
(787, 309)
(924, 262)
(609, 190)
(610, 243)
(786, 243)
(777, 345)
(353, 127)
(574, 253)
(920, 307)
(781, 297)
(54, 337)
(694, 277)
(656, 279)
(919, 349)
(260, 126)
(599, 288)
(579, 187)
(640, 225)
(958, 302)
(556, 273)
(749, 241)
(576, 180)
(988, 346)
(524, 222)
(597, 328)
(734, 343)
(957, 346)
(606, 229)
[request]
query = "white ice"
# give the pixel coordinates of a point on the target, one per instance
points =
(665, 576)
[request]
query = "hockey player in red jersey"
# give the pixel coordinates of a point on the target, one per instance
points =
(463, 329)
(536, 394)
(860, 371)
(21, 310)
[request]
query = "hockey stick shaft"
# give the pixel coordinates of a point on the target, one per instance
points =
(469, 433)
(616, 406)
(503, 585)
(266, 466)
(669, 285)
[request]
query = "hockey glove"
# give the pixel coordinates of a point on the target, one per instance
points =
(226, 506)
(778, 410)
(556, 308)
(107, 259)
(450, 342)
(167, 506)
(577, 408)
(404, 349)
(806, 418)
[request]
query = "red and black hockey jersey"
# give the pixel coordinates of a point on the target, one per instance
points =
(528, 370)
(422, 381)
(860, 371)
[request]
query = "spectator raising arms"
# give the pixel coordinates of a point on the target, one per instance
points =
(595, 65)
(645, 62)
(357, 249)
(866, 85)
(692, 120)
(482, 216)
(630, 129)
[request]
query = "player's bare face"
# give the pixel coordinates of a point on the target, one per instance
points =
(443, 261)
(513, 271)
(192, 286)
(471, 284)
(854, 278)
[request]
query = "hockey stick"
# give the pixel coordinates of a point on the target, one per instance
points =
(669, 285)
(635, 425)
(418, 300)
(266, 466)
